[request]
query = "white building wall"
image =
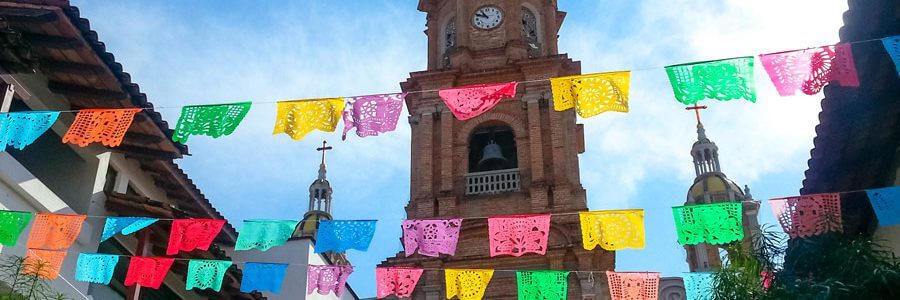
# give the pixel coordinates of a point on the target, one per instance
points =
(21, 191)
(298, 254)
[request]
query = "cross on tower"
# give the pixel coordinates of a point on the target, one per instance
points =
(323, 149)
(696, 108)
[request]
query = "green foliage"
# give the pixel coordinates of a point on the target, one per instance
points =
(830, 266)
(18, 286)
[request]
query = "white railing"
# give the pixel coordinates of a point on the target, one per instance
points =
(492, 182)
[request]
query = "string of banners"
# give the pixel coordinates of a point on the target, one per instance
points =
(807, 71)
(513, 235)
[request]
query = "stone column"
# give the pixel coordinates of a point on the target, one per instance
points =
(426, 143)
(535, 145)
(557, 145)
(447, 120)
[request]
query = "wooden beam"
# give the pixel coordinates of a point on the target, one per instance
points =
(141, 138)
(84, 92)
(27, 15)
(165, 184)
(136, 152)
(70, 68)
(51, 41)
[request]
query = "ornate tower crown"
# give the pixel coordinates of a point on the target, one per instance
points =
(712, 186)
(705, 153)
(320, 193)
(479, 35)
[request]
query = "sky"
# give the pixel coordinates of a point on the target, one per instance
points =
(206, 52)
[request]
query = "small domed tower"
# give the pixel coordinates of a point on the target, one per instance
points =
(320, 194)
(712, 186)
(319, 205)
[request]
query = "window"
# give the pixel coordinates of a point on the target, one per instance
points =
(449, 41)
(492, 148)
(530, 32)
(450, 35)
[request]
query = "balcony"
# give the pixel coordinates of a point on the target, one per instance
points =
(492, 182)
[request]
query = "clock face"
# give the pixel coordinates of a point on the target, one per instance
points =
(487, 17)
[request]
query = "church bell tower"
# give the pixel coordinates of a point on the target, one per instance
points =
(520, 157)
(712, 186)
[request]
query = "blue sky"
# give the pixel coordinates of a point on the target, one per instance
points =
(201, 52)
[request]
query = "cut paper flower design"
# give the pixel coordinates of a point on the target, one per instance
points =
(211, 120)
(149, 272)
(43, 263)
(809, 215)
(12, 223)
(327, 279)
(892, 45)
(471, 101)
(191, 234)
(591, 94)
(811, 69)
(633, 285)
(263, 277)
(715, 223)
(467, 284)
(613, 229)
(107, 126)
(124, 225)
(95, 268)
(264, 234)
(298, 118)
(20, 129)
(372, 114)
(886, 203)
(342, 235)
(431, 237)
(698, 285)
(54, 231)
(723, 80)
(541, 285)
(517, 235)
(396, 281)
(206, 274)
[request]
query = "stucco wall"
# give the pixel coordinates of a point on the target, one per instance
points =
(298, 253)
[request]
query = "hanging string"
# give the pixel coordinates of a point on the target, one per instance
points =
(387, 219)
(436, 90)
(436, 218)
(306, 263)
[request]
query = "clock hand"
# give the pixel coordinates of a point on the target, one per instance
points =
(482, 15)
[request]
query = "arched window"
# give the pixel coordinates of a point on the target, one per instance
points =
(449, 41)
(530, 32)
(492, 148)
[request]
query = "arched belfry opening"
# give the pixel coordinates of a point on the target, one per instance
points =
(492, 148)
(530, 33)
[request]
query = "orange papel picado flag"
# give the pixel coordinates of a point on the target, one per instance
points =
(592, 94)
(298, 118)
(54, 231)
(43, 263)
(107, 126)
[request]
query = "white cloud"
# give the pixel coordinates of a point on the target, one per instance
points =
(655, 137)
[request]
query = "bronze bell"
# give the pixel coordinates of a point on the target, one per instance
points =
(492, 158)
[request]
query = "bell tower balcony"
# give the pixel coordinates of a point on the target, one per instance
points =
(493, 182)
